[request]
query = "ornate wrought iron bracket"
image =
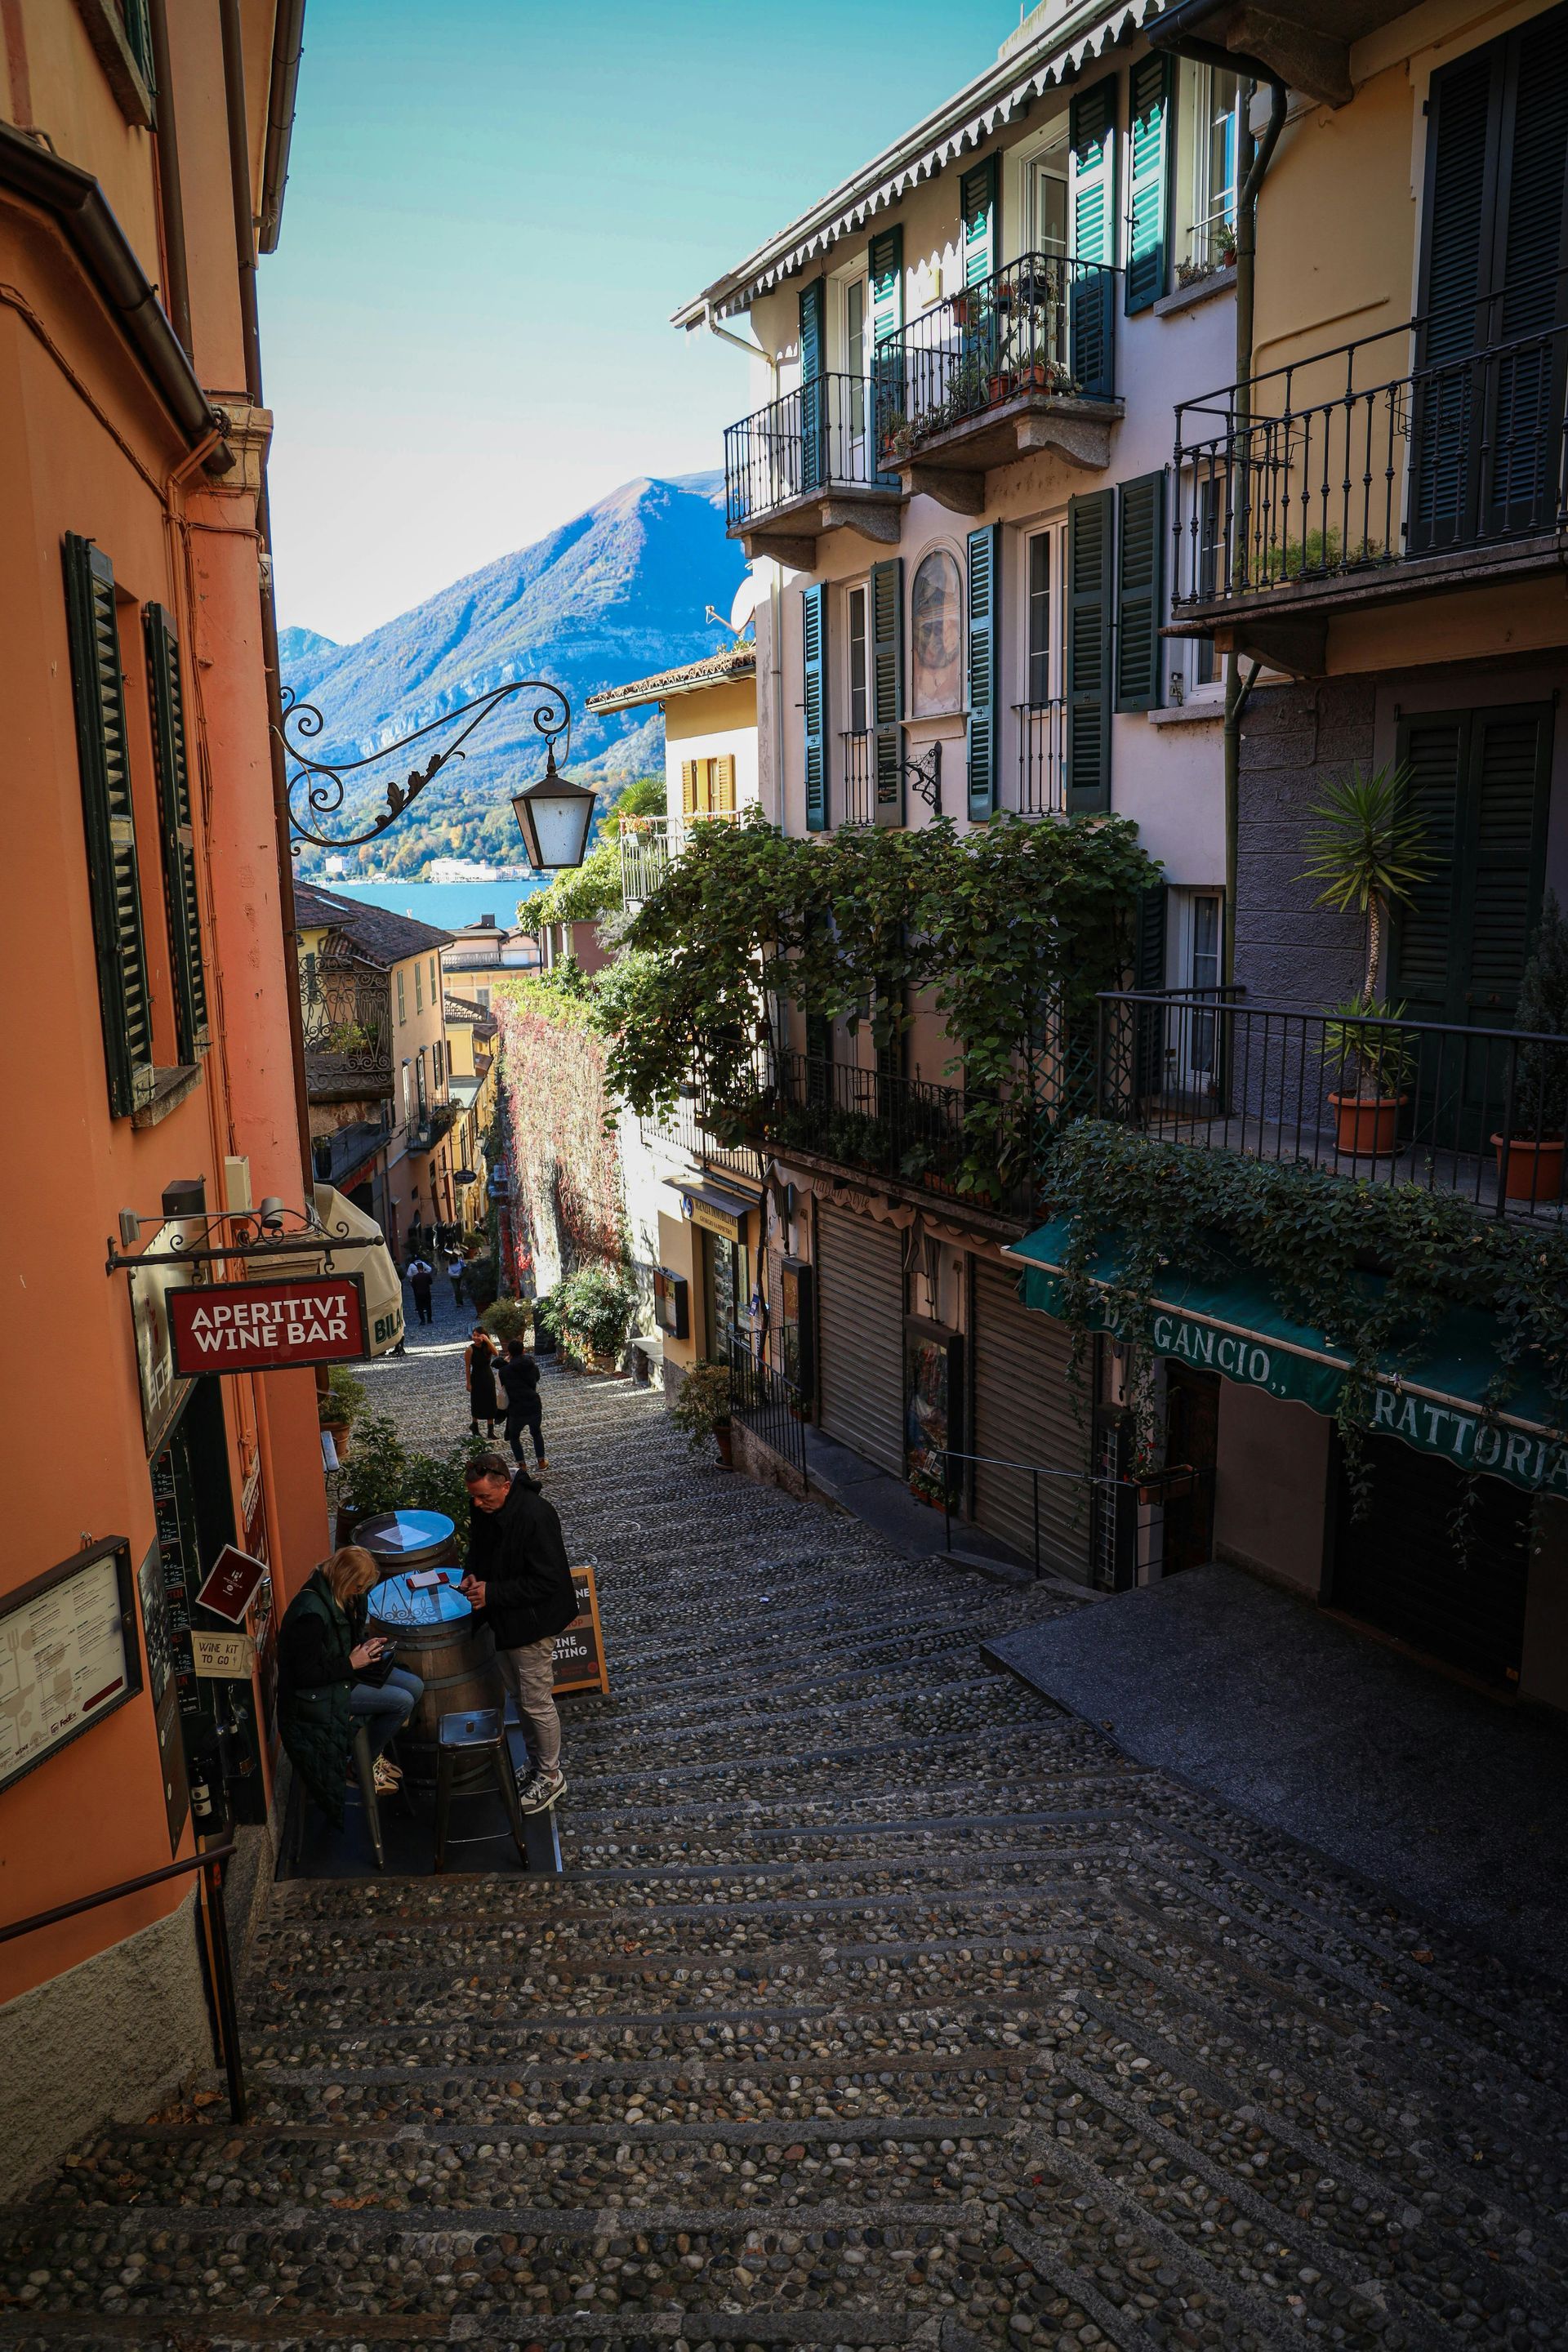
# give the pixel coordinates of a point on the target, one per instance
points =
(271, 1231)
(324, 780)
(924, 776)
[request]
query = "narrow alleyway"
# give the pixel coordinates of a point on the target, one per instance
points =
(880, 2004)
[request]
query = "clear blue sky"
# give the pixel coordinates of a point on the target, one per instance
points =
(493, 207)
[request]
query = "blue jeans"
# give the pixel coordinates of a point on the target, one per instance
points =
(386, 1707)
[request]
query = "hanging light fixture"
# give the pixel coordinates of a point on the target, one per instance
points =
(555, 816)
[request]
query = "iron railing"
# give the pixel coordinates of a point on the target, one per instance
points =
(819, 437)
(859, 777)
(338, 1154)
(684, 1130)
(767, 1404)
(1471, 1111)
(1374, 454)
(1044, 327)
(428, 1127)
(1041, 787)
(650, 846)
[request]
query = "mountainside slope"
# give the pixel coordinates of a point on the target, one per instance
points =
(618, 592)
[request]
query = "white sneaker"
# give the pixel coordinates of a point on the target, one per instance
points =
(537, 1796)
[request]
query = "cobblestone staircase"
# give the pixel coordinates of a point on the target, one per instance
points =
(880, 2004)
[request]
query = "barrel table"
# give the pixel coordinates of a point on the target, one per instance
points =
(435, 1638)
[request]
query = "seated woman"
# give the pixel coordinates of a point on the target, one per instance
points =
(322, 1655)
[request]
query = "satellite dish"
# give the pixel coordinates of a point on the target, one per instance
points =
(745, 604)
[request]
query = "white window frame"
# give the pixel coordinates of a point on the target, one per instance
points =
(1018, 207)
(1204, 214)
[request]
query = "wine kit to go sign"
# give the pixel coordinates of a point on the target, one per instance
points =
(268, 1327)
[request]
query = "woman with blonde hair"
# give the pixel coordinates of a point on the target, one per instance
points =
(331, 1678)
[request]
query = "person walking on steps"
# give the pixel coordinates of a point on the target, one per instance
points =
(517, 1573)
(480, 1372)
(421, 1277)
(519, 1378)
(455, 1270)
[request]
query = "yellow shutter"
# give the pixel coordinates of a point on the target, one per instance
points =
(689, 787)
(724, 784)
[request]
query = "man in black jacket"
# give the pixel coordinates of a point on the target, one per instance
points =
(518, 1573)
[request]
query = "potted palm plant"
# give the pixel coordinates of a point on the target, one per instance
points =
(1529, 1155)
(1369, 854)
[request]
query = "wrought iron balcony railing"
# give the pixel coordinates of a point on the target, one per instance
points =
(650, 846)
(1044, 327)
(819, 438)
(1040, 788)
(858, 778)
(346, 1013)
(428, 1127)
(1477, 1112)
(346, 1148)
(1376, 454)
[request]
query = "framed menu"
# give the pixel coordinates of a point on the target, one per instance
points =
(68, 1654)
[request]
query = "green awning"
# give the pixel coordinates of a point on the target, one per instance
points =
(1228, 1324)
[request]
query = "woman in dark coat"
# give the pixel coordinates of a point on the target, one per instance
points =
(479, 1372)
(322, 1650)
(520, 1378)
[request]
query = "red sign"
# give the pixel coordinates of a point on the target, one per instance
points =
(268, 1327)
(231, 1582)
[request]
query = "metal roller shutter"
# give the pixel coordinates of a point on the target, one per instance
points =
(861, 1318)
(1023, 1412)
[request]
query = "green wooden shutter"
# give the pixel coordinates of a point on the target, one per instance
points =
(885, 267)
(1148, 979)
(109, 816)
(1093, 140)
(812, 342)
(985, 667)
(1151, 153)
(179, 844)
(887, 601)
(813, 643)
(139, 40)
(1139, 591)
(977, 208)
(1090, 587)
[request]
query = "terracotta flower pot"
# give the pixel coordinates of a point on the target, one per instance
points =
(1533, 1171)
(339, 1433)
(724, 1440)
(1367, 1124)
(1001, 387)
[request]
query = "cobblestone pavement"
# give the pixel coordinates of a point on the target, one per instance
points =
(880, 2004)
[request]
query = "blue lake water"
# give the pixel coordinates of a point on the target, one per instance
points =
(446, 905)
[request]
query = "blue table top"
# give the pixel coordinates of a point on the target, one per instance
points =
(394, 1531)
(391, 1602)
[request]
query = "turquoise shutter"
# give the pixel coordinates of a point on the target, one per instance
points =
(977, 208)
(1090, 536)
(139, 41)
(813, 339)
(1152, 148)
(1092, 137)
(885, 267)
(887, 601)
(179, 844)
(985, 667)
(813, 643)
(1139, 591)
(109, 817)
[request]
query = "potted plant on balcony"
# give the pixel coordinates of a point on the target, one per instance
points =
(1529, 1155)
(1369, 854)
(702, 1408)
(897, 436)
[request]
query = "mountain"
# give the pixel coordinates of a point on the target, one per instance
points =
(612, 595)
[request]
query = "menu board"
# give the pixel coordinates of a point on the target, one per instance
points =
(68, 1654)
(176, 1553)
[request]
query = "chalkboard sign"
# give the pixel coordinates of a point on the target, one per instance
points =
(580, 1650)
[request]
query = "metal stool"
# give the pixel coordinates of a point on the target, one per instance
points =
(462, 1736)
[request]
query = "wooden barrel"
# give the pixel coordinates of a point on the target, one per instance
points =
(437, 1639)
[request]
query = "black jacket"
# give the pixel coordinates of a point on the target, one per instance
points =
(521, 1556)
(519, 1378)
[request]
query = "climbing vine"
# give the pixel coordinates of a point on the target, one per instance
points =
(565, 1163)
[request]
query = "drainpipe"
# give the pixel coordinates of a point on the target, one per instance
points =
(1167, 33)
(755, 351)
(169, 199)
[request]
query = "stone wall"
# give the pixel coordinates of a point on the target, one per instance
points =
(755, 1460)
(1295, 741)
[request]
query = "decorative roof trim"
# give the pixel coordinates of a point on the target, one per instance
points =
(999, 96)
(717, 669)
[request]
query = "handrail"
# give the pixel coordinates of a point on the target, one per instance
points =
(1035, 1470)
(212, 1860)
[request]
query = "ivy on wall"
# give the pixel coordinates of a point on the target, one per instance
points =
(564, 1161)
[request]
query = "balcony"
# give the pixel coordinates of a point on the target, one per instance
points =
(1024, 360)
(858, 769)
(1039, 786)
(683, 1129)
(808, 464)
(1368, 473)
(431, 1123)
(650, 846)
(1456, 1110)
(346, 1009)
(346, 1154)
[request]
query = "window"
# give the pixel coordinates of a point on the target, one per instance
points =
(1216, 142)
(437, 1059)
(435, 986)
(407, 1082)
(482, 999)
(418, 988)
(402, 1008)
(707, 786)
(859, 707)
(1046, 227)
(857, 355)
(419, 1085)
(1037, 649)
(936, 636)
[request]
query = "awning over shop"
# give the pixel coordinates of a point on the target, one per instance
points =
(1228, 1324)
(710, 1206)
(383, 1287)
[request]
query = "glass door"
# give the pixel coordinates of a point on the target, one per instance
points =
(857, 373)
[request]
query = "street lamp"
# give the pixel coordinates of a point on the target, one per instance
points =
(555, 816)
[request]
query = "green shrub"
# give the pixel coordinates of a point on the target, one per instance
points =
(1541, 1099)
(481, 1280)
(506, 1319)
(384, 1475)
(595, 1308)
(343, 1397)
(702, 1403)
